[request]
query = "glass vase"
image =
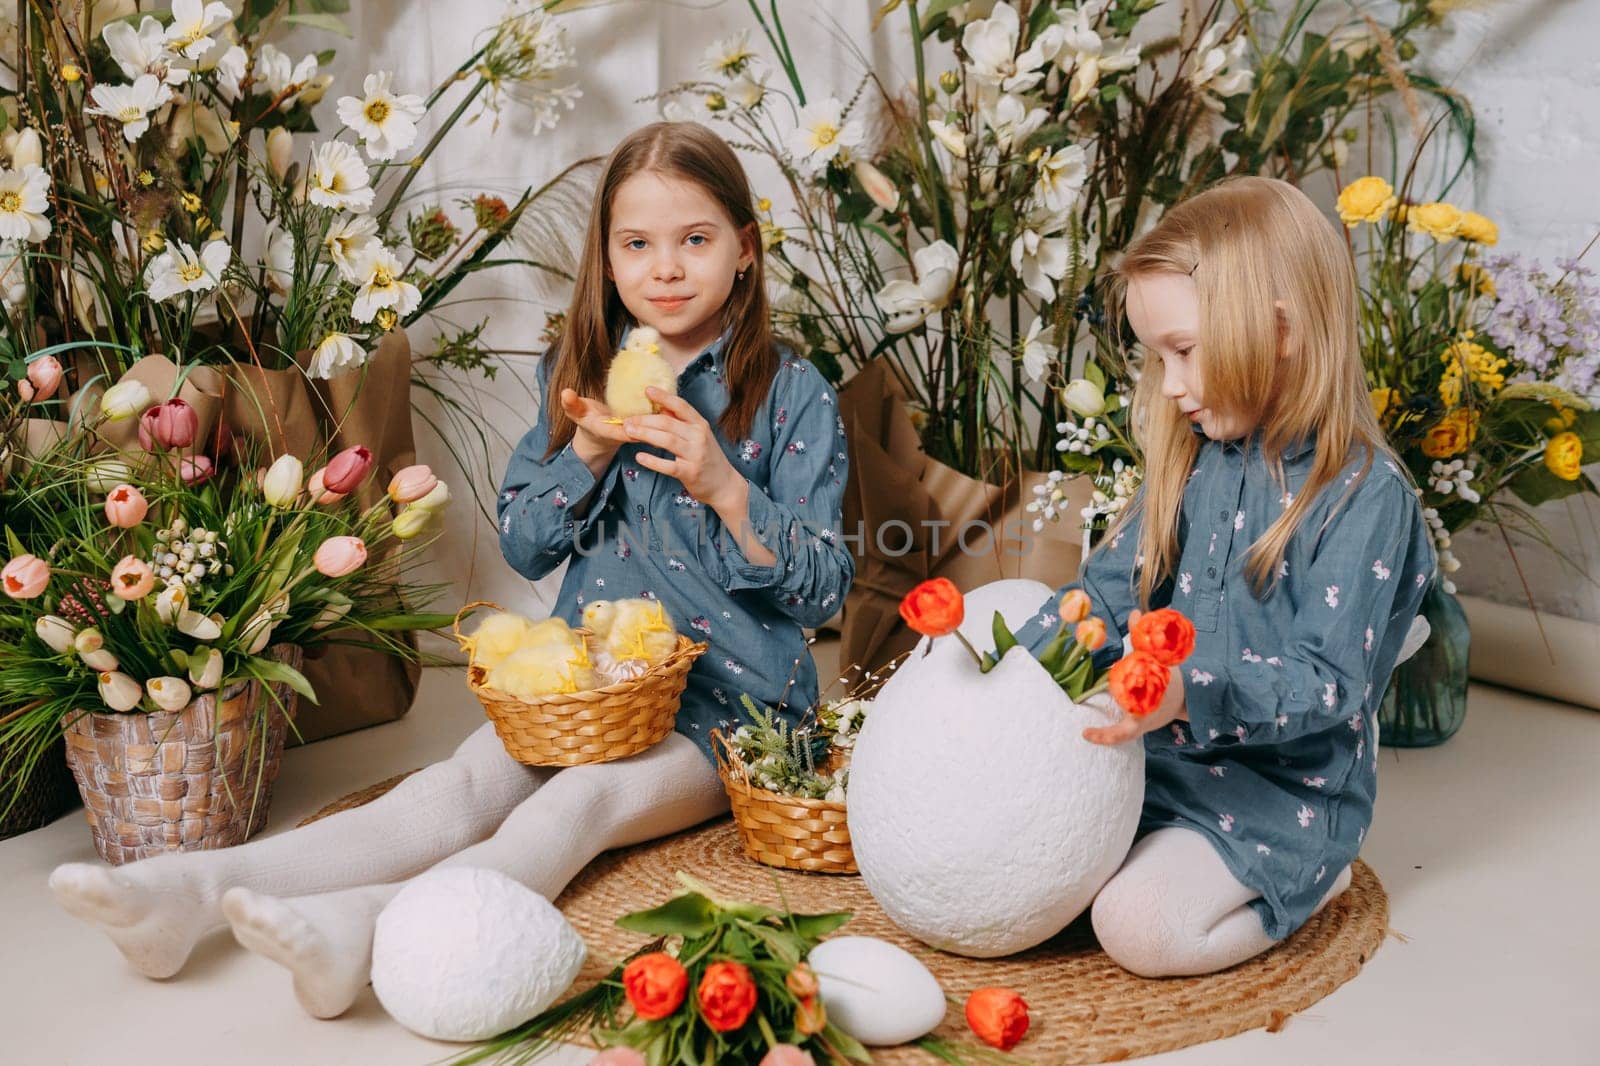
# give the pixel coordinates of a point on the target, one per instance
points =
(1427, 697)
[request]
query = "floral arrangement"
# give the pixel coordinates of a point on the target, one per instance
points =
(154, 576)
(956, 226)
(1159, 640)
(165, 187)
(791, 761)
(1483, 368)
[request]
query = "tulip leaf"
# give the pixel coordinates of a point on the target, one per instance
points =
(274, 672)
(1004, 639)
(690, 914)
(420, 620)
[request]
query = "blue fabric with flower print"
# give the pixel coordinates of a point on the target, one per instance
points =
(1278, 763)
(643, 535)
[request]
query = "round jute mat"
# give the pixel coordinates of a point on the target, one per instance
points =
(1084, 1007)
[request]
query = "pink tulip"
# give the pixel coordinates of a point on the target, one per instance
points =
(25, 577)
(346, 471)
(412, 483)
(317, 489)
(194, 471)
(338, 556)
(126, 507)
(618, 1056)
(787, 1055)
(25, 390)
(132, 578)
(44, 374)
(172, 424)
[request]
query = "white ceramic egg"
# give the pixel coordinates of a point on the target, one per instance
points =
(876, 991)
(983, 823)
(465, 953)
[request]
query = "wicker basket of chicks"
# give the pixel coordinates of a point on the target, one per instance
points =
(786, 787)
(563, 696)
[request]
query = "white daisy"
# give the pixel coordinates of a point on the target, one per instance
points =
(385, 121)
(384, 287)
(748, 89)
(193, 22)
(336, 354)
(24, 199)
(179, 269)
(130, 104)
(338, 178)
(143, 51)
(729, 56)
(822, 133)
(348, 242)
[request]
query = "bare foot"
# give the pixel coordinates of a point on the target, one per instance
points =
(328, 951)
(154, 929)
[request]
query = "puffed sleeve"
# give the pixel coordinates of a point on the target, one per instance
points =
(1109, 574)
(1357, 596)
(799, 514)
(538, 497)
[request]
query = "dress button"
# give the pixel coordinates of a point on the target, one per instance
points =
(1223, 515)
(1211, 571)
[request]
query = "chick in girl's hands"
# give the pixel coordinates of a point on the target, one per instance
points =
(637, 366)
(497, 637)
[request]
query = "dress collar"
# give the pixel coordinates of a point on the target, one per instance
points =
(712, 357)
(1293, 452)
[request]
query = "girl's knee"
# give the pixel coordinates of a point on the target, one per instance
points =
(1131, 922)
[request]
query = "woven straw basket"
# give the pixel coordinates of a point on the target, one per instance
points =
(789, 832)
(186, 780)
(599, 725)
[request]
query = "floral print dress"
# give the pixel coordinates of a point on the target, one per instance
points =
(644, 535)
(1277, 765)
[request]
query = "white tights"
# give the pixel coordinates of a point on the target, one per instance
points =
(309, 898)
(1175, 909)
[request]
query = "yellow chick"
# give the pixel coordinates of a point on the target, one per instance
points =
(497, 637)
(639, 364)
(598, 616)
(550, 630)
(542, 670)
(640, 630)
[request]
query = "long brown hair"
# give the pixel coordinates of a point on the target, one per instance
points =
(1250, 244)
(596, 316)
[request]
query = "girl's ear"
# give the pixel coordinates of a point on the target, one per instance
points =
(749, 241)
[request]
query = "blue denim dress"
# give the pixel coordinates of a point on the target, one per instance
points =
(1277, 765)
(644, 535)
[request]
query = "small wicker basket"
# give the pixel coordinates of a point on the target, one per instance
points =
(789, 832)
(599, 725)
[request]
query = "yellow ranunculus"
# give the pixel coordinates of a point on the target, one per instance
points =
(1562, 419)
(1478, 229)
(1439, 220)
(1563, 456)
(1367, 199)
(1474, 276)
(1451, 435)
(1382, 400)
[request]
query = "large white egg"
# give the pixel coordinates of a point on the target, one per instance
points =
(876, 991)
(983, 823)
(465, 953)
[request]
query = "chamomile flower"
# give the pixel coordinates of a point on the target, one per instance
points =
(336, 354)
(383, 288)
(386, 121)
(180, 269)
(339, 178)
(728, 57)
(130, 104)
(822, 134)
(348, 242)
(24, 199)
(193, 22)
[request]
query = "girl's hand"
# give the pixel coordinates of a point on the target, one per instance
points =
(1172, 708)
(698, 460)
(594, 439)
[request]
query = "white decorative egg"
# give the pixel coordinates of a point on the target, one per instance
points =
(876, 991)
(981, 819)
(465, 953)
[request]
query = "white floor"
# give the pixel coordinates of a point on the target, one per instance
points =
(1478, 843)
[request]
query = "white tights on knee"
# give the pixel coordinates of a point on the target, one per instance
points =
(1175, 909)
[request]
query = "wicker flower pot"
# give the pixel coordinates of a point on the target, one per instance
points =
(185, 780)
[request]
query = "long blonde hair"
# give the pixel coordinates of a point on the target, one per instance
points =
(1252, 244)
(596, 316)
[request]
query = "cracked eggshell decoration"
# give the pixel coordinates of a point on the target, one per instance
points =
(983, 823)
(465, 953)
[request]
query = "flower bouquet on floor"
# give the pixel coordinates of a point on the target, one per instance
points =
(973, 773)
(163, 614)
(1485, 371)
(787, 787)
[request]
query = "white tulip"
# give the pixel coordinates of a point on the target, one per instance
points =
(205, 668)
(436, 500)
(168, 693)
(280, 150)
(56, 632)
(119, 691)
(338, 606)
(283, 481)
(171, 602)
(125, 399)
(26, 150)
(104, 475)
(1084, 397)
(199, 626)
(99, 660)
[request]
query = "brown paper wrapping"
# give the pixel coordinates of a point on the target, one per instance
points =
(960, 528)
